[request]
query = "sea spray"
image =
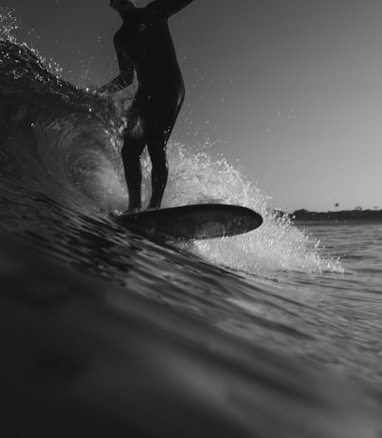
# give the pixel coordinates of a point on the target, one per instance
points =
(195, 177)
(8, 24)
(9, 27)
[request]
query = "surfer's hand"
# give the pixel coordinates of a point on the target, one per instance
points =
(104, 90)
(109, 88)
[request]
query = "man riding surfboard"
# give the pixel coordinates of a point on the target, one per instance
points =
(144, 45)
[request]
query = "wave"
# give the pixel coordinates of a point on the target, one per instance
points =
(65, 142)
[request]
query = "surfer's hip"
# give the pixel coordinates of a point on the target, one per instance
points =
(158, 98)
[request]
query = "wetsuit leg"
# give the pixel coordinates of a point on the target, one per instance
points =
(131, 152)
(157, 141)
(159, 173)
(135, 140)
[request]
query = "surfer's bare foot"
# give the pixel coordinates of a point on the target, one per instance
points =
(133, 210)
(153, 207)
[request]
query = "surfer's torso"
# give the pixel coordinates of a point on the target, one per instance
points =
(144, 43)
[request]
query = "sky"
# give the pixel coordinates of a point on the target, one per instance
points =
(288, 90)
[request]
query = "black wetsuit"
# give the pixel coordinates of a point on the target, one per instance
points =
(144, 44)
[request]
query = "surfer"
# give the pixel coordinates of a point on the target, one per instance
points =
(144, 45)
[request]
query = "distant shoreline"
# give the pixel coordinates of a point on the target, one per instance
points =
(336, 216)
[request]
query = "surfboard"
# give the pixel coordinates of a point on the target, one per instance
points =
(192, 222)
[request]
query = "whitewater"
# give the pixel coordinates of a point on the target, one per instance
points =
(272, 333)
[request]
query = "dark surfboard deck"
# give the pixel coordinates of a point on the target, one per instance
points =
(189, 222)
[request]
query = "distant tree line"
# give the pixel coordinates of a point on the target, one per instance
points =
(358, 214)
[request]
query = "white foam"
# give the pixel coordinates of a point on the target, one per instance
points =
(195, 177)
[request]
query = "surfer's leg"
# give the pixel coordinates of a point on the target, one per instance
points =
(159, 173)
(135, 140)
(131, 152)
(157, 143)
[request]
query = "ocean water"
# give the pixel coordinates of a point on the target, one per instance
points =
(276, 333)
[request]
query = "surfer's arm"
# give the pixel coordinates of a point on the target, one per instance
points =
(166, 8)
(124, 79)
(117, 84)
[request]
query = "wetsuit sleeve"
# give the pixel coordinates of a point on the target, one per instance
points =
(166, 8)
(125, 78)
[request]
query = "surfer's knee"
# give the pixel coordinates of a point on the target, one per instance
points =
(136, 128)
(157, 152)
(159, 161)
(159, 164)
(132, 148)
